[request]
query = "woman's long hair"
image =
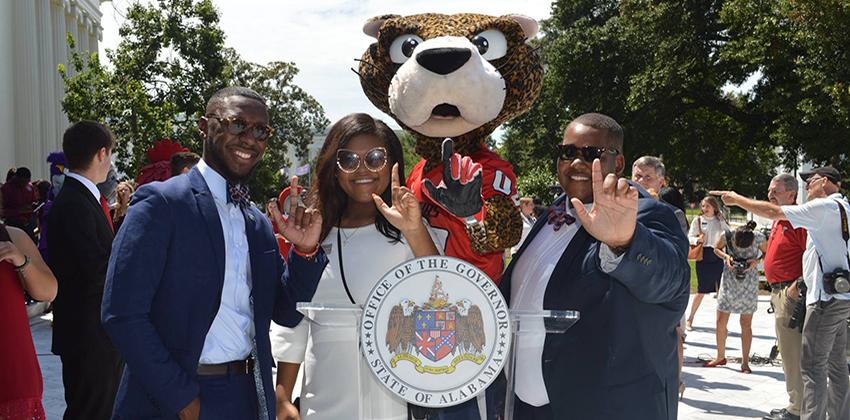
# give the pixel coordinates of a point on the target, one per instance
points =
(330, 198)
(715, 204)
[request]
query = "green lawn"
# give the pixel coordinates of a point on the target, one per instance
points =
(693, 276)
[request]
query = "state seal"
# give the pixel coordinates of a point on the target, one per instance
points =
(435, 331)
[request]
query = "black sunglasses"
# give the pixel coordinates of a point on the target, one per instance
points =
(569, 152)
(237, 126)
(348, 161)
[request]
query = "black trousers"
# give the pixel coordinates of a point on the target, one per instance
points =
(529, 412)
(91, 381)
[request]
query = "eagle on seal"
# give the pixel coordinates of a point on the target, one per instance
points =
(469, 330)
(401, 335)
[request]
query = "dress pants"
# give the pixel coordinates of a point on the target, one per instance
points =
(826, 386)
(228, 397)
(523, 411)
(790, 343)
(91, 380)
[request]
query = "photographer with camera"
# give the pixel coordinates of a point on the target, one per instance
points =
(826, 385)
(741, 251)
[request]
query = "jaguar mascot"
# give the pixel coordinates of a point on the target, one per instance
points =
(457, 77)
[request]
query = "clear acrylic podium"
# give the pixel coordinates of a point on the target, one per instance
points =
(523, 323)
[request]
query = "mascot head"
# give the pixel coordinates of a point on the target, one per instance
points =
(457, 76)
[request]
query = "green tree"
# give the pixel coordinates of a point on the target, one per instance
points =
(663, 69)
(170, 60)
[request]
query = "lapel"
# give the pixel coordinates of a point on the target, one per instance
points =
(209, 212)
(87, 196)
(566, 271)
(252, 233)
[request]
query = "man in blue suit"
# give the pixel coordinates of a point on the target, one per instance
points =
(195, 277)
(617, 255)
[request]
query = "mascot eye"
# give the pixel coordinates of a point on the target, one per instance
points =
(491, 44)
(402, 47)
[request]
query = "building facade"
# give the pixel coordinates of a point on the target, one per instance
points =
(33, 44)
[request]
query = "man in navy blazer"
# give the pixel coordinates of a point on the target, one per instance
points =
(195, 277)
(621, 262)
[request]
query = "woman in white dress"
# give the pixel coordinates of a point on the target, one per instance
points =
(360, 170)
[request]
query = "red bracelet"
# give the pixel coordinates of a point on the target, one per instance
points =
(306, 255)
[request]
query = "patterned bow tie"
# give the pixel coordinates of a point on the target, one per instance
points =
(238, 194)
(558, 215)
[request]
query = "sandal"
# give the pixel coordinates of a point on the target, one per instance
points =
(746, 369)
(689, 325)
(715, 363)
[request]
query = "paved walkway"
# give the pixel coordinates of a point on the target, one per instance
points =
(724, 392)
(712, 393)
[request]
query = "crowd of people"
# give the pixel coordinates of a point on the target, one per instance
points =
(163, 293)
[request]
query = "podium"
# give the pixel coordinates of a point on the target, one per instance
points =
(524, 324)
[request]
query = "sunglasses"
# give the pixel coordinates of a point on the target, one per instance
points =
(349, 162)
(237, 127)
(568, 152)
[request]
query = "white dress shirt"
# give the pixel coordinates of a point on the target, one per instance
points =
(529, 280)
(822, 220)
(232, 332)
(87, 182)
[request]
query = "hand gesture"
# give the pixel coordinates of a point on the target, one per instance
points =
(404, 213)
(613, 217)
(460, 192)
(287, 411)
(729, 198)
(303, 226)
(9, 252)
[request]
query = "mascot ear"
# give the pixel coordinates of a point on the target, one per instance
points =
(372, 26)
(529, 26)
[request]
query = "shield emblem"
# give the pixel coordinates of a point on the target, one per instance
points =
(435, 333)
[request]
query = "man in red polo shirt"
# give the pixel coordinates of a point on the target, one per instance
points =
(783, 265)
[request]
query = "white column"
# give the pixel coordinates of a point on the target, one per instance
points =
(82, 37)
(7, 88)
(27, 128)
(60, 56)
(47, 69)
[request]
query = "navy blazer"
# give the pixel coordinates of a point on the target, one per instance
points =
(163, 290)
(619, 361)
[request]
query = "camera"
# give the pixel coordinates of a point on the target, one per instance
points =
(740, 265)
(838, 281)
(798, 317)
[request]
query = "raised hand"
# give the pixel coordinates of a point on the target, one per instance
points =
(404, 213)
(613, 217)
(729, 198)
(303, 227)
(460, 191)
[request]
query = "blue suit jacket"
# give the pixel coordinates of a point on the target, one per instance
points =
(163, 290)
(619, 361)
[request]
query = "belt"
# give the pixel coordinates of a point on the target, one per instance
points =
(781, 285)
(239, 367)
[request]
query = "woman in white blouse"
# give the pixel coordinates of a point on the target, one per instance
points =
(707, 228)
(360, 169)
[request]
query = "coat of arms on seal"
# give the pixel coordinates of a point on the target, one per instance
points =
(435, 331)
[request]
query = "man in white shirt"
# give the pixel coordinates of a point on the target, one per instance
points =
(196, 278)
(618, 256)
(824, 367)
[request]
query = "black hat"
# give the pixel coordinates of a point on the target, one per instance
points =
(825, 171)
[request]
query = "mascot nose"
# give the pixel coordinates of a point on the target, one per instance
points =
(443, 60)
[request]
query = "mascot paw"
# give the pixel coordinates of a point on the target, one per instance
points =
(459, 193)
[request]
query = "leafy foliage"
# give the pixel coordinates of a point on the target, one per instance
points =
(663, 70)
(170, 60)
